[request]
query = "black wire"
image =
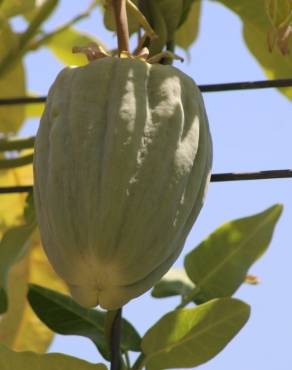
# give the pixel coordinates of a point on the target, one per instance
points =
(220, 177)
(261, 175)
(216, 177)
(232, 86)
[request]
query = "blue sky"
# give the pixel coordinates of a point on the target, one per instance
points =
(251, 131)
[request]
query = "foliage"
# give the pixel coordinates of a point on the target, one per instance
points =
(256, 30)
(33, 300)
(54, 361)
(189, 337)
(64, 316)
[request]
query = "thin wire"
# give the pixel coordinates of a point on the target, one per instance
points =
(216, 177)
(232, 86)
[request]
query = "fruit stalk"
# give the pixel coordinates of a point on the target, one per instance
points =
(115, 341)
(119, 7)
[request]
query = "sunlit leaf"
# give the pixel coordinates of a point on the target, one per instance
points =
(11, 205)
(13, 246)
(188, 31)
(20, 329)
(10, 360)
(65, 316)
(33, 110)
(219, 265)
(62, 43)
(12, 84)
(10, 8)
(186, 338)
(11, 321)
(256, 26)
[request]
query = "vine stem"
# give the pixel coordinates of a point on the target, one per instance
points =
(189, 298)
(139, 364)
(119, 7)
(115, 341)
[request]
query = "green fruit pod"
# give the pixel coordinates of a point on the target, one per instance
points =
(122, 161)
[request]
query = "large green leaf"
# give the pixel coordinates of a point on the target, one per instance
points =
(189, 337)
(189, 29)
(12, 84)
(256, 26)
(64, 316)
(12, 247)
(219, 265)
(20, 328)
(61, 45)
(10, 8)
(10, 360)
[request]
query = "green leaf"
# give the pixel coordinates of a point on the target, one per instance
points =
(172, 13)
(219, 265)
(189, 29)
(10, 360)
(64, 316)
(11, 8)
(256, 26)
(186, 7)
(12, 84)
(189, 337)
(62, 43)
(174, 282)
(157, 21)
(13, 246)
(34, 110)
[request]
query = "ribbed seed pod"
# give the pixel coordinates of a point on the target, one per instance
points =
(122, 161)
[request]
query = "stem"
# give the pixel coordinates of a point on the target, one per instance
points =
(119, 7)
(48, 36)
(170, 46)
(16, 162)
(115, 341)
(17, 143)
(141, 19)
(127, 359)
(139, 364)
(189, 298)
